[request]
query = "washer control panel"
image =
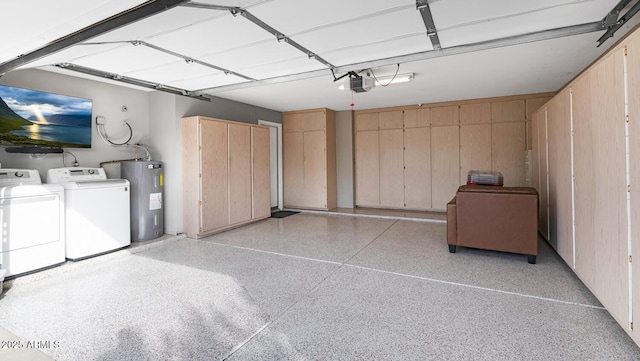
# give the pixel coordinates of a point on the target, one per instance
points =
(75, 174)
(10, 177)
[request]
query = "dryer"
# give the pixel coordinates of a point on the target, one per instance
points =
(96, 211)
(31, 222)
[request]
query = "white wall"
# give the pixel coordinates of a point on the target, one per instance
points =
(165, 132)
(107, 101)
(155, 119)
(225, 109)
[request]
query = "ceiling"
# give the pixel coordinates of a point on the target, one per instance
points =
(286, 54)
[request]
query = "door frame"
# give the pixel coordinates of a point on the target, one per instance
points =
(278, 127)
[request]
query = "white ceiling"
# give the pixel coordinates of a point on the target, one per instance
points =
(487, 47)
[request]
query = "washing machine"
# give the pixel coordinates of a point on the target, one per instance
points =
(96, 211)
(32, 222)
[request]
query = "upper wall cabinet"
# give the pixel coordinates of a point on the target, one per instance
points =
(479, 113)
(224, 171)
(417, 118)
(443, 116)
(367, 121)
(508, 111)
(309, 157)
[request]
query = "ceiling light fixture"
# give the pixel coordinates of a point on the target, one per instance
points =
(385, 80)
(400, 78)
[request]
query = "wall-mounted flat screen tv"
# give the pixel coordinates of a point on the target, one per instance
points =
(32, 117)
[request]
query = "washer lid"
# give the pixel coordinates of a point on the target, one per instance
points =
(28, 190)
(107, 183)
(11, 177)
(75, 174)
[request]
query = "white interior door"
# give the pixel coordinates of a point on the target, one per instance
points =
(275, 149)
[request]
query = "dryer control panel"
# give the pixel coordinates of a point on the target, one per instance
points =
(75, 174)
(10, 177)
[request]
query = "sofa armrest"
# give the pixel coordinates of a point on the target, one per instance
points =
(452, 223)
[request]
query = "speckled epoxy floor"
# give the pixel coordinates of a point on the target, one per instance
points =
(312, 287)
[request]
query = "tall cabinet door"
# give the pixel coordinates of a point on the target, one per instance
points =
(260, 172)
(417, 168)
(239, 173)
(293, 161)
(315, 169)
(539, 146)
(560, 200)
(601, 199)
(214, 208)
(544, 176)
(367, 169)
(391, 168)
(445, 164)
(633, 80)
(475, 149)
(508, 152)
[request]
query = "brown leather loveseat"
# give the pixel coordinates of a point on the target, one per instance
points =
(494, 218)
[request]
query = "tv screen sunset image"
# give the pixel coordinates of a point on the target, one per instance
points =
(31, 117)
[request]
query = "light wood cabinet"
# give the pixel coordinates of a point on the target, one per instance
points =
(417, 168)
(445, 164)
(391, 120)
(443, 116)
(293, 162)
(531, 106)
(367, 175)
(214, 170)
(508, 111)
(417, 118)
(539, 148)
(225, 175)
(559, 175)
(239, 173)
(633, 81)
(587, 162)
(415, 158)
(315, 170)
(366, 121)
(475, 149)
(601, 185)
(508, 152)
(391, 158)
(479, 113)
(309, 159)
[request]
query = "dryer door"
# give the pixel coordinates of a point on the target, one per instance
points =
(29, 221)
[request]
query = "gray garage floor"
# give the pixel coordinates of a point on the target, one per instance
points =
(310, 287)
